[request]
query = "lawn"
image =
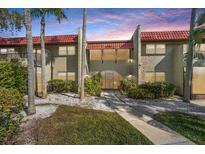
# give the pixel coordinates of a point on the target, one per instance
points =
(74, 125)
(188, 125)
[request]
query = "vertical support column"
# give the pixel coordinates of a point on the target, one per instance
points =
(139, 48)
(137, 55)
(79, 55)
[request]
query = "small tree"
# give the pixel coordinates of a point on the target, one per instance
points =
(41, 13)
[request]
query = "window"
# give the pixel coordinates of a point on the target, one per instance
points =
(66, 76)
(160, 48)
(71, 76)
(71, 50)
(3, 51)
(150, 49)
(62, 51)
(11, 50)
(155, 49)
(154, 76)
(123, 54)
(95, 55)
(66, 50)
(109, 54)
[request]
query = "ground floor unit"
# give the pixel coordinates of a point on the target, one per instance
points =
(147, 56)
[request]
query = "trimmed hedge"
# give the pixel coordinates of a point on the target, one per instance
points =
(13, 75)
(93, 85)
(11, 104)
(59, 86)
(149, 90)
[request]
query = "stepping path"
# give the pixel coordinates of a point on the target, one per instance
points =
(153, 130)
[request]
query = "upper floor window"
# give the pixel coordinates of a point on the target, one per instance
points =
(155, 49)
(3, 51)
(95, 55)
(123, 54)
(66, 50)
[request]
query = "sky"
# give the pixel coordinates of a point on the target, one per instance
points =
(112, 24)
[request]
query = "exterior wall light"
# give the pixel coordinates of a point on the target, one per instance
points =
(130, 60)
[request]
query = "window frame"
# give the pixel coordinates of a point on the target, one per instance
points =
(155, 49)
(155, 76)
(66, 50)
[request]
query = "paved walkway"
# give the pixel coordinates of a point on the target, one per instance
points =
(155, 131)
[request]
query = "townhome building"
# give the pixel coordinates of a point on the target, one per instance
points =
(146, 56)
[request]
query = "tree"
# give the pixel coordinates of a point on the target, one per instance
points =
(82, 92)
(30, 61)
(10, 20)
(190, 55)
(41, 13)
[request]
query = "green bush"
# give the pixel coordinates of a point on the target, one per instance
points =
(93, 85)
(11, 104)
(59, 86)
(127, 84)
(149, 90)
(139, 93)
(159, 89)
(13, 75)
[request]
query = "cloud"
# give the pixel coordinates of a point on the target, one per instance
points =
(113, 16)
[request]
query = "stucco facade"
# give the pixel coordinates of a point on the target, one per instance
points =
(125, 59)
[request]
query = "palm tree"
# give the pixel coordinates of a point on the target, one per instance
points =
(190, 55)
(41, 13)
(82, 93)
(10, 20)
(30, 61)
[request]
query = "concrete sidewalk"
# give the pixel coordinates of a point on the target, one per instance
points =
(153, 130)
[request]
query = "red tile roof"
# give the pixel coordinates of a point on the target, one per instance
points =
(58, 39)
(109, 44)
(165, 36)
(65, 39)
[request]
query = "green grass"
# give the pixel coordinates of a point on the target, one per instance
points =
(188, 125)
(74, 125)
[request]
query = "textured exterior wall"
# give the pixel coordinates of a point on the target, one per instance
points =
(63, 63)
(171, 63)
(122, 67)
(178, 68)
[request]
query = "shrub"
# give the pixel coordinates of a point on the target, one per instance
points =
(149, 90)
(139, 93)
(59, 86)
(93, 85)
(11, 104)
(13, 75)
(159, 89)
(127, 84)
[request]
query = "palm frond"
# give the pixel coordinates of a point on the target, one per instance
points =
(201, 19)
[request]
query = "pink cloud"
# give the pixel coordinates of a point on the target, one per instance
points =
(93, 20)
(113, 16)
(153, 15)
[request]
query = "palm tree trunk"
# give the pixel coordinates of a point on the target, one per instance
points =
(43, 56)
(189, 65)
(82, 94)
(30, 61)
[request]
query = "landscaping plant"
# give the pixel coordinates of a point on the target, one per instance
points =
(148, 90)
(59, 86)
(93, 85)
(11, 104)
(13, 75)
